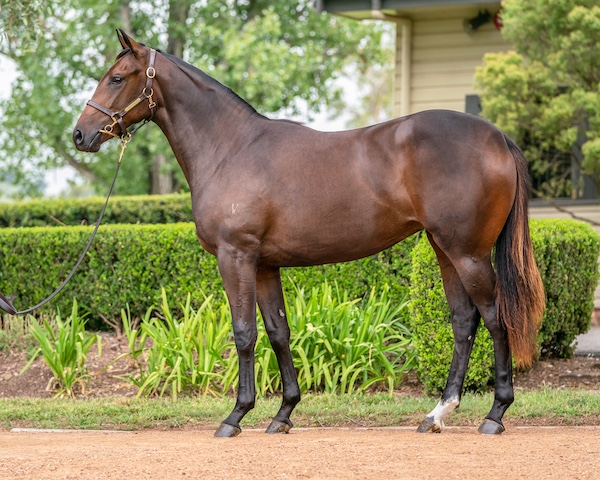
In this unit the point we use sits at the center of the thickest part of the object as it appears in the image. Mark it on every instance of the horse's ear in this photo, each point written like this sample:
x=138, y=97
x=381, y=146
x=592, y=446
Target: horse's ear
x=121, y=34
x=128, y=42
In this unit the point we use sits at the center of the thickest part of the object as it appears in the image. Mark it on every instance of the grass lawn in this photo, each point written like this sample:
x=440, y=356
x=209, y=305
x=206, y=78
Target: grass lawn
x=539, y=407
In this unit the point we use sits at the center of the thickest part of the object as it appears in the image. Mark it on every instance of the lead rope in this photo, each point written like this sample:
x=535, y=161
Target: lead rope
x=8, y=307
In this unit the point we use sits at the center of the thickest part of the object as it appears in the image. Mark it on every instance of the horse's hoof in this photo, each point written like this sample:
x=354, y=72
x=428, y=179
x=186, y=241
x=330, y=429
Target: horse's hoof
x=490, y=427
x=429, y=426
x=227, y=431
x=279, y=427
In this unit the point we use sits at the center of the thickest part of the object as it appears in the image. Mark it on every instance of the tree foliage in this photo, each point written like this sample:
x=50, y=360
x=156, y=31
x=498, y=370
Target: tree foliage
x=282, y=57
x=21, y=20
x=546, y=93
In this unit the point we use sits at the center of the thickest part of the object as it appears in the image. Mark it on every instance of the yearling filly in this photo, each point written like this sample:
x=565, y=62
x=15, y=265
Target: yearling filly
x=269, y=193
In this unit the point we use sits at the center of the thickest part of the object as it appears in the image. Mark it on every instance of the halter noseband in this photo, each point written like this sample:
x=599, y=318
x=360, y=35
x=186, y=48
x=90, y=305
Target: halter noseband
x=117, y=117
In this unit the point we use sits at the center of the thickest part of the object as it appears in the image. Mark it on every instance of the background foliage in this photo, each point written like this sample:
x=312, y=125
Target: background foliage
x=546, y=94
x=71, y=212
x=282, y=57
x=128, y=265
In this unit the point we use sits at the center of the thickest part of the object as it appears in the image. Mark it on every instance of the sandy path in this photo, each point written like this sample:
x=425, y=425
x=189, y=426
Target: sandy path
x=458, y=453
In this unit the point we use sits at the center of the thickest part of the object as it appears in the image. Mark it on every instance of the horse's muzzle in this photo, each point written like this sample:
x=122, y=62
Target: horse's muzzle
x=83, y=144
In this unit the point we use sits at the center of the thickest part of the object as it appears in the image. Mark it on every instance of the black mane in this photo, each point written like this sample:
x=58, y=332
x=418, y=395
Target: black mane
x=194, y=71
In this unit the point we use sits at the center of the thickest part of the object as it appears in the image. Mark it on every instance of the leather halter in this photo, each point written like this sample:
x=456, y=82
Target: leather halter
x=117, y=116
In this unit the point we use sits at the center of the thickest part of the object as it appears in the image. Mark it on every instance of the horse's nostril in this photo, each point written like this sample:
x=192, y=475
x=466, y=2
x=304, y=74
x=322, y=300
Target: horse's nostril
x=78, y=137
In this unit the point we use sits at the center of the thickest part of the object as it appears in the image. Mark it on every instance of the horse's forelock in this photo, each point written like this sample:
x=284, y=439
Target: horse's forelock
x=122, y=53
x=125, y=51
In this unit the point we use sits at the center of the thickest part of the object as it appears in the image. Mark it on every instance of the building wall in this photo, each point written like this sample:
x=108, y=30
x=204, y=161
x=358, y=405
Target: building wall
x=444, y=58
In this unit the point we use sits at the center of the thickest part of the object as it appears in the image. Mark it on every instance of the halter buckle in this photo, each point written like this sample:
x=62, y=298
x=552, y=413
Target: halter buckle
x=150, y=72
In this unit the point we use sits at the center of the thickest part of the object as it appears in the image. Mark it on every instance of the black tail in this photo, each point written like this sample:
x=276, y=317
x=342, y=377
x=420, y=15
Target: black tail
x=520, y=297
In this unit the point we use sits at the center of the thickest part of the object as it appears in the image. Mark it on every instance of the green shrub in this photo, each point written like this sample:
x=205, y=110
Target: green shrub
x=566, y=252
x=132, y=209
x=128, y=265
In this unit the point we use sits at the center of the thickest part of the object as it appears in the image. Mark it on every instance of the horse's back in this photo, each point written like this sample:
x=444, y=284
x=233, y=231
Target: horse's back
x=311, y=197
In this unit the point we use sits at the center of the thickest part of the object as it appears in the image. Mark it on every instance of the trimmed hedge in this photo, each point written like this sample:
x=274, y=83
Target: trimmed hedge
x=566, y=252
x=132, y=209
x=128, y=265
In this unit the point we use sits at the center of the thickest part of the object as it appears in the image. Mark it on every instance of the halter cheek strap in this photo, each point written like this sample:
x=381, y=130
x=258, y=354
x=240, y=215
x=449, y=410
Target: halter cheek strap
x=117, y=116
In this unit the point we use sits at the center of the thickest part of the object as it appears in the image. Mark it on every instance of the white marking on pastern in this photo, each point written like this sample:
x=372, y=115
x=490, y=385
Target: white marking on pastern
x=443, y=409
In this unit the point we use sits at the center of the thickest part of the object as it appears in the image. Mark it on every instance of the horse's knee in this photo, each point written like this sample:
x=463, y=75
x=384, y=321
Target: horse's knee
x=245, y=340
x=279, y=334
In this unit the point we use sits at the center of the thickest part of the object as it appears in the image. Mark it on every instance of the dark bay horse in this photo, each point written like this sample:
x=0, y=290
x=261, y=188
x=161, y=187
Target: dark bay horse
x=269, y=193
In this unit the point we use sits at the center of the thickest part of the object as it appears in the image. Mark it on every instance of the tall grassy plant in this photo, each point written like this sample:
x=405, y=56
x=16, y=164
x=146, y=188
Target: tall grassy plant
x=188, y=353
x=15, y=334
x=136, y=337
x=64, y=346
x=340, y=345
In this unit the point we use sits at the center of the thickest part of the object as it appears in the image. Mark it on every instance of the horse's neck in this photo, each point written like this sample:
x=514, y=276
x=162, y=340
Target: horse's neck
x=202, y=125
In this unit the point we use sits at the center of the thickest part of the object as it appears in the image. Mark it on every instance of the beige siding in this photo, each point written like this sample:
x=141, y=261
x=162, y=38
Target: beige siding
x=444, y=59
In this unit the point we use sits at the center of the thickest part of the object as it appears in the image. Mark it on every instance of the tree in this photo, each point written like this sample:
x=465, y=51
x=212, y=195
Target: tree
x=375, y=104
x=546, y=94
x=21, y=21
x=282, y=57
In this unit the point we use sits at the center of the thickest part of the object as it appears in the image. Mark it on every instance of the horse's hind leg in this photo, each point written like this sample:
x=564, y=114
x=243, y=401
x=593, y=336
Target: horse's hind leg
x=465, y=319
x=479, y=279
x=271, y=303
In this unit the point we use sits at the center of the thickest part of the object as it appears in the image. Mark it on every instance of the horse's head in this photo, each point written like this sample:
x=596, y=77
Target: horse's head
x=123, y=97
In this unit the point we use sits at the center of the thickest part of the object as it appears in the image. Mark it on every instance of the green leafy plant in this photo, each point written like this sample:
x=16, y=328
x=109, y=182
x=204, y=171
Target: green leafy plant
x=64, y=347
x=136, y=337
x=187, y=354
x=340, y=345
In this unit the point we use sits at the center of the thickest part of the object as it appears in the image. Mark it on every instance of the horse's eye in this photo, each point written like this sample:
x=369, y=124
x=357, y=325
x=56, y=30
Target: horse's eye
x=116, y=80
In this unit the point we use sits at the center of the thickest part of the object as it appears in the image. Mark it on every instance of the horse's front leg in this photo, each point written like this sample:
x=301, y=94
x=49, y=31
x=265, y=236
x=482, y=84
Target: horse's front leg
x=238, y=270
x=272, y=306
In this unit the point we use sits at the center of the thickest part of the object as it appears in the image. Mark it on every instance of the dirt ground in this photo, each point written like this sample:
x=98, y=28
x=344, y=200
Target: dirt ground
x=344, y=453
x=457, y=453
